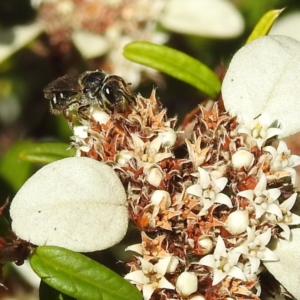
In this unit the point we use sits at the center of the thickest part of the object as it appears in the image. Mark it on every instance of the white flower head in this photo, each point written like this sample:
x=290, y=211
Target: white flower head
x=223, y=262
x=261, y=129
x=262, y=199
x=209, y=191
x=151, y=276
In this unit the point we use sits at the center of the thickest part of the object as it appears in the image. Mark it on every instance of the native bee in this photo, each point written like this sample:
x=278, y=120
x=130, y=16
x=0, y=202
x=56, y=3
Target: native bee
x=79, y=92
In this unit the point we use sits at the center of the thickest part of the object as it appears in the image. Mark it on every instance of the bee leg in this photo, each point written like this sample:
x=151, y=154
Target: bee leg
x=69, y=117
x=84, y=111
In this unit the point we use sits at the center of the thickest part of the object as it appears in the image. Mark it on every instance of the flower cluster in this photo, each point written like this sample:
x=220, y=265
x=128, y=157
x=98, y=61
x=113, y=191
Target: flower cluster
x=100, y=28
x=205, y=219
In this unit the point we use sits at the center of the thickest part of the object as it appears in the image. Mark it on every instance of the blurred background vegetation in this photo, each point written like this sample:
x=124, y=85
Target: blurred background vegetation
x=49, y=51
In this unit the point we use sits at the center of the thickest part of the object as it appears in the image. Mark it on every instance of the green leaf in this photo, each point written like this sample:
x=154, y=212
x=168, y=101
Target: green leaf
x=45, y=153
x=176, y=64
x=79, y=276
x=47, y=292
x=14, y=171
x=264, y=24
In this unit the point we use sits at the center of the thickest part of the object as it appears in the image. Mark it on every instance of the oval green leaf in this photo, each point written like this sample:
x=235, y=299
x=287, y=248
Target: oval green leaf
x=264, y=24
x=46, y=292
x=176, y=64
x=79, y=276
x=45, y=153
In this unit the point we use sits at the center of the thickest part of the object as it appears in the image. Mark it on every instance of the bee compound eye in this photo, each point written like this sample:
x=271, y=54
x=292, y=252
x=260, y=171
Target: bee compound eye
x=92, y=82
x=112, y=91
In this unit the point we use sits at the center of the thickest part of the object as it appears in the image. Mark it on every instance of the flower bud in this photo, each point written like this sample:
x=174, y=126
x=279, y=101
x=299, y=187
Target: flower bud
x=237, y=222
x=158, y=196
x=242, y=158
x=206, y=244
x=154, y=176
x=187, y=283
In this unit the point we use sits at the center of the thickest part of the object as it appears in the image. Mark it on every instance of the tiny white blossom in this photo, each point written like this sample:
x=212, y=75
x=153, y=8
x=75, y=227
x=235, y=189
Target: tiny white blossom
x=261, y=129
x=224, y=263
x=288, y=218
x=283, y=160
x=209, y=191
x=262, y=199
x=151, y=276
x=254, y=248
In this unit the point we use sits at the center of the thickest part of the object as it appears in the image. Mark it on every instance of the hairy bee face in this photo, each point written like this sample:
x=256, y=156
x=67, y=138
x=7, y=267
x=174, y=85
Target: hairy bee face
x=68, y=93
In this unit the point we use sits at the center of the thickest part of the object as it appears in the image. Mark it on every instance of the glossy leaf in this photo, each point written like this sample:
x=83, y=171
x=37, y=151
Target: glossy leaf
x=264, y=24
x=45, y=153
x=176, y=64
x=79, y=276
x=47, y=292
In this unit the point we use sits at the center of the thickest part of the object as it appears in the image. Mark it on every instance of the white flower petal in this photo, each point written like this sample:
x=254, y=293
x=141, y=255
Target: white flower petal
x=208, y=260
x=162, y=265
x=223, y=199
x=218, y=276
x=254, y=264
x=204, y=178
x=286, y=230
x=264, y=238
x=195, y=190
x=165, y=284
x=220, y=183
x=295, y=219
x=248, y=194
x=274, y=209
x=148, y=290
x=137, y=277
x=289, y=203
x=237, y=273
x=220, y=247
x=135, y=248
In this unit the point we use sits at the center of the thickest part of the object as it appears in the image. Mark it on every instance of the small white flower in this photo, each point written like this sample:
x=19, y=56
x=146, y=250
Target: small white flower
x=254, y=248
x=282, y=160
x=237, y=222
x=288, y=218
x=151, y=276
x=187, y=283
x=261, y=129
x=223, y=262
x=242, y=158
x=263, y=200
x=208, y=191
